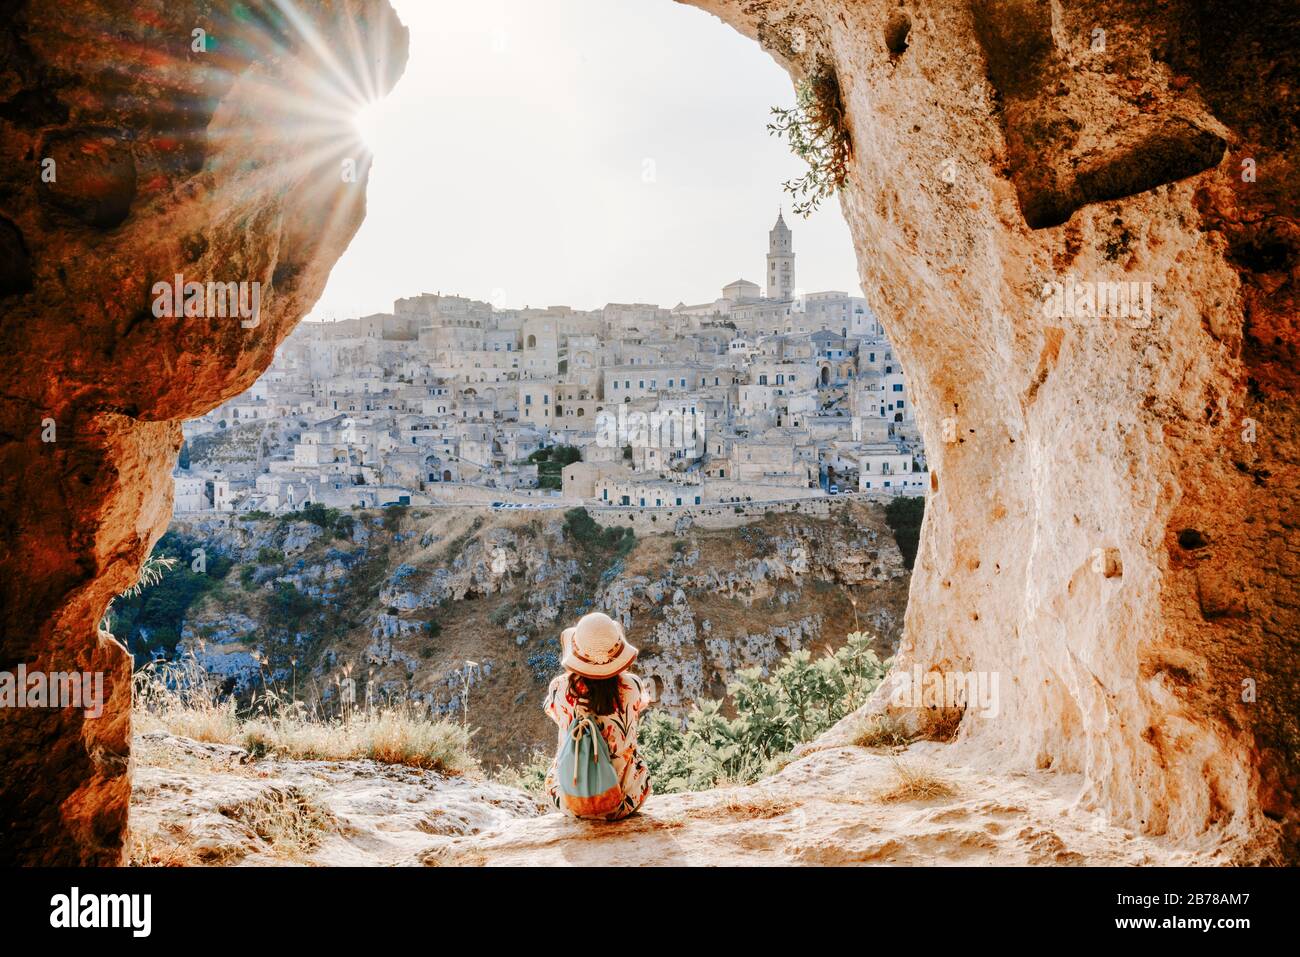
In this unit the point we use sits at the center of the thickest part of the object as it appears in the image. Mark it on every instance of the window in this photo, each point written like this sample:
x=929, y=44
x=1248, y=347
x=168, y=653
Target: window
x=898, y=387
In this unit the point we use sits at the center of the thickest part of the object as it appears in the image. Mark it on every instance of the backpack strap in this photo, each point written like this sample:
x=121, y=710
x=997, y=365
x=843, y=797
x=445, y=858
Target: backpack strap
x=583, y=724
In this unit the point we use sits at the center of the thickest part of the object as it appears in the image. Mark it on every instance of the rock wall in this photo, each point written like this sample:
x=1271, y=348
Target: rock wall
x=139, y=141
x=1112, y=528
x=705, y=516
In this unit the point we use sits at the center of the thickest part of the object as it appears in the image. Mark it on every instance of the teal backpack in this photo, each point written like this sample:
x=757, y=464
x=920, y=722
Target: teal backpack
x=585, y=774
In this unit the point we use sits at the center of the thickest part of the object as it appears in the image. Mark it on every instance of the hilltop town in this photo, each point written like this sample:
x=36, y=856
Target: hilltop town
x=761, y=396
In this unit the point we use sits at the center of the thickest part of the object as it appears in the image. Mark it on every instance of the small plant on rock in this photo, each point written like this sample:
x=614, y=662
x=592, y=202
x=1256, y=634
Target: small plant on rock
x=817, y=130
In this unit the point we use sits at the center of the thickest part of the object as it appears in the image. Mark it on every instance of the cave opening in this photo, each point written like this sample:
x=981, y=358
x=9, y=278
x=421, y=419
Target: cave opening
x=964, y=199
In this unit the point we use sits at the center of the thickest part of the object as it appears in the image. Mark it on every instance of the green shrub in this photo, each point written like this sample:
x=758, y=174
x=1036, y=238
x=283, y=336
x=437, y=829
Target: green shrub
x=161, y=601
x=802, y=698
x=584, y=530
x=904, y=515
x=551, y=462
x=287, y=608
x=393, y=515
x=529, y=776
x=316, y=513
x=566, y=455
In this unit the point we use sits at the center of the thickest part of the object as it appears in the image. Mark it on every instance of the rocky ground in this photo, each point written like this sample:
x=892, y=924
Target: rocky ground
x=406, y=599
x=836, y=805
x=195, y=803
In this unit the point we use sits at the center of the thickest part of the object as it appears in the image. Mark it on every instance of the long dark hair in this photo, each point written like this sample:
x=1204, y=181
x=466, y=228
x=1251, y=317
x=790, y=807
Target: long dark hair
x=597, y=695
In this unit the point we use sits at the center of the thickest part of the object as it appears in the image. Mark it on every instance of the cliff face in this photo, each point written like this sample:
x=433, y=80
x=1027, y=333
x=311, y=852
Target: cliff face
x=408, y=598
x=139, y=142
x=1112, y=528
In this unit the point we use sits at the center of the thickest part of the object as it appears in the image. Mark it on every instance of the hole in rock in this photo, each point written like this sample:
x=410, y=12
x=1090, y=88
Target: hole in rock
x=897, y=29
x=606, y=375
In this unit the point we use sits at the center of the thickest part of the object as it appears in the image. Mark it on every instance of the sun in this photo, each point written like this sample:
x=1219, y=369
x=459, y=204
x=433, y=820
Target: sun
x=370, y=122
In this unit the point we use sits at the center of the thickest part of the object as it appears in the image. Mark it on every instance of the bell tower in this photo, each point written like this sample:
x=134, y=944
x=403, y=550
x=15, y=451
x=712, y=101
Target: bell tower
x=780, y=261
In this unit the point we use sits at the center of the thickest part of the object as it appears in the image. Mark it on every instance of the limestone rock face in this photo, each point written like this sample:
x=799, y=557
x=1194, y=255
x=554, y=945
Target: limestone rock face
x=1112, y=525
x=407, y=599
x=141, y=141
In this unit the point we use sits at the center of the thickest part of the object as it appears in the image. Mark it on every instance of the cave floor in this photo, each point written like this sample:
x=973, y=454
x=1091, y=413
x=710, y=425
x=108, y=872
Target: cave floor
x=837, y=806
x=206, y=804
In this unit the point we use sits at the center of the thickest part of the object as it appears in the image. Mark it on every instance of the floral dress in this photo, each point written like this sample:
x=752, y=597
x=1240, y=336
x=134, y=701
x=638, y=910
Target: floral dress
x=619, y=731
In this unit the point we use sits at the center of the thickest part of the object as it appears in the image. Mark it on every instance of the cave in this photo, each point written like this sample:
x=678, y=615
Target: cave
x=998, y=149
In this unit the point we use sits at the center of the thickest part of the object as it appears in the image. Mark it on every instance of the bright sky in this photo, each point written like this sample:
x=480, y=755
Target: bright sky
x=577, y=152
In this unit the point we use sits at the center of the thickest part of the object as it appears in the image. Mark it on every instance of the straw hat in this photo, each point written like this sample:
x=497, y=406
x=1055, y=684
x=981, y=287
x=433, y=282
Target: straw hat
x=596, y=648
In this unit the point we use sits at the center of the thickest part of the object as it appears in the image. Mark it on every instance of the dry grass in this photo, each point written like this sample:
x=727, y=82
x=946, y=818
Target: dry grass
x=288, y=819
x=878, y=731
x=288, y=822
x=916, y=783
x=753, y=804
x=778, y=764
x=181, y=699
x=149, y=848
x=391, y=736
